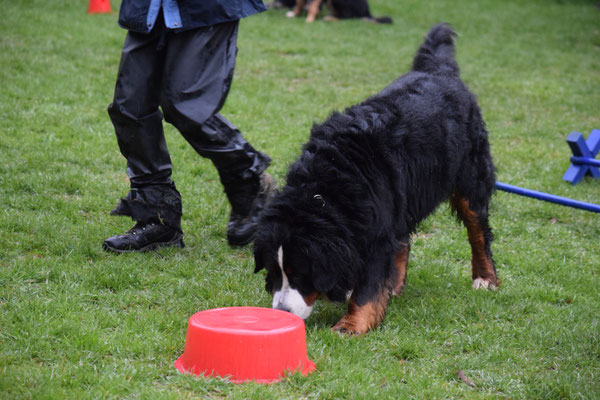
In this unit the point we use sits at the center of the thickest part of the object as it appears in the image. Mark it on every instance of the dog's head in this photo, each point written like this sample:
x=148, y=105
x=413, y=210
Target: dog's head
x=306, y=256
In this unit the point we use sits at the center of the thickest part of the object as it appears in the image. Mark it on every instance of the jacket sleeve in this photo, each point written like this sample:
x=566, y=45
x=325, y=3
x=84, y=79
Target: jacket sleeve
x=133, y=14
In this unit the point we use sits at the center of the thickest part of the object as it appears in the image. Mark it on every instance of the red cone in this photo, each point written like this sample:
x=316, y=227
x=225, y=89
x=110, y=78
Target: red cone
x=99, y=7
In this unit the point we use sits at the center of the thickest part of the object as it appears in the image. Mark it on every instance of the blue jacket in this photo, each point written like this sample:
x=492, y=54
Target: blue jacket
x=137, y=15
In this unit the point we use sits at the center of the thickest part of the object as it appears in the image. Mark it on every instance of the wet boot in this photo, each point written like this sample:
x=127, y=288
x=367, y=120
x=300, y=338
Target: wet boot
x=144, y=237
x=157, y=211
x=248, y=198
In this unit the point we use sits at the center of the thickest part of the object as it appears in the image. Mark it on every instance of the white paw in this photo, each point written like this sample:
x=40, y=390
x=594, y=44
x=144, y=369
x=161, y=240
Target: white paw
x=480, y=283
x=290, y=14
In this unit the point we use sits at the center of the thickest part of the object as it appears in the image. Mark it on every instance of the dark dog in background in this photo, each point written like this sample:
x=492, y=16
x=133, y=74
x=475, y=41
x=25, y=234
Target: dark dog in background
x=338, y=9
x=341, y=226
x=282, y=4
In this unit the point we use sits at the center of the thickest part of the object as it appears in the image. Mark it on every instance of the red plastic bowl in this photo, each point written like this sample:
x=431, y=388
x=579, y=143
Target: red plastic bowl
x=245, y=344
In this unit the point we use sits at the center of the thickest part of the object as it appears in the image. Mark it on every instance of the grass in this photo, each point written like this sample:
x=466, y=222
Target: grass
x=76, y=322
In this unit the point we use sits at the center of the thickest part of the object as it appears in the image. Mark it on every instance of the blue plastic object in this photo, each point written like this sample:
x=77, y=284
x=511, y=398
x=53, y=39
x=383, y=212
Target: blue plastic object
x=584, y=152
x=585, y=161
x=548, y=197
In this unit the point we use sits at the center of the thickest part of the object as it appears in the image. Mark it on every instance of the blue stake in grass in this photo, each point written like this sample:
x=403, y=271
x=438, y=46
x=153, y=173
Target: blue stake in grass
x=534, y=194
x=583, y=160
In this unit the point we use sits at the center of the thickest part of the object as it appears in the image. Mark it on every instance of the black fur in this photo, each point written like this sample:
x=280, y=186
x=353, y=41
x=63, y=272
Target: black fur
x=346, y=9
x=341, y=9
x=282, y=4
x=369, y=175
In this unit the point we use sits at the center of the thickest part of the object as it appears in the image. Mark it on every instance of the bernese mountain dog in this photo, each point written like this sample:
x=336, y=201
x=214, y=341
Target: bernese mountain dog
x=341, y=226
x=338, y=9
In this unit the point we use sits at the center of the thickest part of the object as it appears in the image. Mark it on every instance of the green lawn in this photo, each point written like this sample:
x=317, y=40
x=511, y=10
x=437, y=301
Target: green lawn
x=76, y=322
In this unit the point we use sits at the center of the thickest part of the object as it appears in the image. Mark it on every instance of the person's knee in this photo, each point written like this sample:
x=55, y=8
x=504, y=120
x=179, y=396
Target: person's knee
x=120, y=114
x=186, y=119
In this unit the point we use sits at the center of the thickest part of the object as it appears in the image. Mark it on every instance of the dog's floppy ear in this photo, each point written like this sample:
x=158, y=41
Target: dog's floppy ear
x=258, y=266
x=332, y=264
x=268, y=239
x=323, y=281
x=262, y=240
x=324, y=274
x=328, y=260
x=259, y=257
x=265, y=250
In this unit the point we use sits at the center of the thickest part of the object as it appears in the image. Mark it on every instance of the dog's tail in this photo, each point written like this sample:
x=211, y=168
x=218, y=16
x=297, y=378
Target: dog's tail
x=436, y=54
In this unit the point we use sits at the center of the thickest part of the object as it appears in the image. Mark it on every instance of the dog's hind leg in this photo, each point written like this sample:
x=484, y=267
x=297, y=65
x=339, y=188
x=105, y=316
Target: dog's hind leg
x=332, y=12
x=313, y=10
x=480, y=238
x=297, y=10
x=401, y=264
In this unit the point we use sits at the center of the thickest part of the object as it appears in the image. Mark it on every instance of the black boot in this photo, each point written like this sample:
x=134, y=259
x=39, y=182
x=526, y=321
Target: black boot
x=247, y=199
x=144, y=237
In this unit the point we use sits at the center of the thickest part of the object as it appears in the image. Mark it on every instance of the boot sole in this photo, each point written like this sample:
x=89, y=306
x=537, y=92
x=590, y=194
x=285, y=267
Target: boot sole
x=241, y=242
x=176, y=242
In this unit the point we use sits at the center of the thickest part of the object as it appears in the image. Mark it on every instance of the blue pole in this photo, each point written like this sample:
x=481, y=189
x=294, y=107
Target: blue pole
x=548, y=197
x=585, y=161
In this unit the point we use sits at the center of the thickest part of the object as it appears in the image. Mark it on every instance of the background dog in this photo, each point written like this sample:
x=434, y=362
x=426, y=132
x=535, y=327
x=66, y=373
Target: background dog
x=282, y=4
x=340, y=228
x=338, y=9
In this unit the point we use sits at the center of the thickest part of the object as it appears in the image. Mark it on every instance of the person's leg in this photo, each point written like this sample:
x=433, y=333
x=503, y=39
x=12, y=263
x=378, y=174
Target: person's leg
x=198, y=71
x=153, y=200
x=241, y=170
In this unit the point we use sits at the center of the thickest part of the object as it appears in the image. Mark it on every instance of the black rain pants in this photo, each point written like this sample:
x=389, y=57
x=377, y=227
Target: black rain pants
x=188, y=75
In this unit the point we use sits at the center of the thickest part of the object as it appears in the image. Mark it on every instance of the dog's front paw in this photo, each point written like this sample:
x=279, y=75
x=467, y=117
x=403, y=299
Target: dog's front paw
x=346, y=327
x=482, y=283
x=290, y=14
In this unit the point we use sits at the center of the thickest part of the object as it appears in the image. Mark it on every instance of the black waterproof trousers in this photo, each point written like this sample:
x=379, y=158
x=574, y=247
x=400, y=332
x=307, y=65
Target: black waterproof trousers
x=187, y=75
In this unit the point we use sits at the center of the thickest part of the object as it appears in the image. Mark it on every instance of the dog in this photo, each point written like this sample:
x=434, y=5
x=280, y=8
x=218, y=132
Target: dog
x=277, y=4
x=338, y=9
x=341, y=226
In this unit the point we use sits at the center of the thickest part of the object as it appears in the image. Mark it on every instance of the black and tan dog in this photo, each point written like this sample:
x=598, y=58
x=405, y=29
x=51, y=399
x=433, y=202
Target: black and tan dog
x=341, y=226
x=338, y=9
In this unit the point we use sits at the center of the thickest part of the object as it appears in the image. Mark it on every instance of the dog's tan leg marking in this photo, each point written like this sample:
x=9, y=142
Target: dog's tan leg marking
x=484, y=276
x=297, y=10
x=360, y=319
x=313, y=10
x=401, y=261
